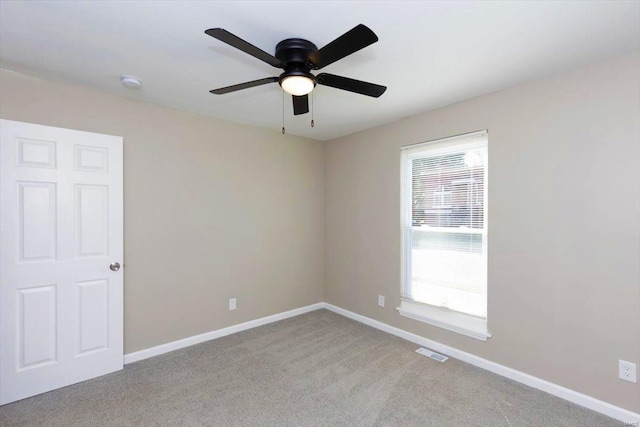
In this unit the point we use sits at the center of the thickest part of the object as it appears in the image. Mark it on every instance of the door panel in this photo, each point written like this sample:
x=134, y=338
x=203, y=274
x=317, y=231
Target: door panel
x=34, y=153
x=60, y=228
x=37, y=219
x=92, y=220
x=91, y=159
x=93, y=315
x=36, y=324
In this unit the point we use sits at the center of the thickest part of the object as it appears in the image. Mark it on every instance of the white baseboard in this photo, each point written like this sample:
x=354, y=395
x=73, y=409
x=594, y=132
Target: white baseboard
x=207, y=336
x=626, y=416
x=589, y=402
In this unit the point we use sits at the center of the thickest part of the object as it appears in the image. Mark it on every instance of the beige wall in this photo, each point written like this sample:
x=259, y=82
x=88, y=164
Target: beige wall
x=564, y=225
x=213, y=210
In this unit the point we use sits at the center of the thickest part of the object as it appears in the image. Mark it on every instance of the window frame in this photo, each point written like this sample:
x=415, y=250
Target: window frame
x=460, y=322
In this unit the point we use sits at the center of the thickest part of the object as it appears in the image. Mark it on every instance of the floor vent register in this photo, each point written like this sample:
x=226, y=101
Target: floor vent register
x=435, y=356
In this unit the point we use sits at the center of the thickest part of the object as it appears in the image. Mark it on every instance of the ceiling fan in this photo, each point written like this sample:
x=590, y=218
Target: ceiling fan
x=298, y=57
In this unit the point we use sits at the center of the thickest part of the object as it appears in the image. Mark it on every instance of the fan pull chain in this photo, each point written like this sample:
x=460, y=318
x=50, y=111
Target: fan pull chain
x=312, y=122
x=283, y=112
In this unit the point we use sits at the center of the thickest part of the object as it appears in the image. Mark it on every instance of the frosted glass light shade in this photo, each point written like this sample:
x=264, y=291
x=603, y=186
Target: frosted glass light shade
x=297, y=85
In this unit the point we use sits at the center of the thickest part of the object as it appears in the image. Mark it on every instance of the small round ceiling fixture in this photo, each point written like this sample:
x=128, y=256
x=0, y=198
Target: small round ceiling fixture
x=131, y=82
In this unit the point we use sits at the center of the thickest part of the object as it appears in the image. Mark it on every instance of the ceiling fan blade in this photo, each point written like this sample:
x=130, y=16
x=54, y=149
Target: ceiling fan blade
x=235, y=41
x=245, y=85
x=352, y=41
x=300, y=104
x=345, y=83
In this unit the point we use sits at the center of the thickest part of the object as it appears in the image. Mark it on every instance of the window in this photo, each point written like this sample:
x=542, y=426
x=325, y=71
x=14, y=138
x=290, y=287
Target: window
x=442, y=197
x=444, y=214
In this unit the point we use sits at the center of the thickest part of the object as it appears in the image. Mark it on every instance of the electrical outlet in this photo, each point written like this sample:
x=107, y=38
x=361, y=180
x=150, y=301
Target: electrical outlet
x=232, y=304
x=381, y=300
x=627, y=371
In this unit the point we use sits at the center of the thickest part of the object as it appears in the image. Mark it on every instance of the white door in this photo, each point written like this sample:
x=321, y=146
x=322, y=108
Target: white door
x=60, y=230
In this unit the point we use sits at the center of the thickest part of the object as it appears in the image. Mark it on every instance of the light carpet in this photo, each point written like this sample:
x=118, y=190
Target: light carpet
x=317, y=369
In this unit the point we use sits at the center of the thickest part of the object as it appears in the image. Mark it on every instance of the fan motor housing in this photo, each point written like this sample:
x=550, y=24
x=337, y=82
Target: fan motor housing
x=296, y=51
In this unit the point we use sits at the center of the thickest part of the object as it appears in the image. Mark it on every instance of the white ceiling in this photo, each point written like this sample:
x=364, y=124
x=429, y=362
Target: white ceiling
x=430, y=53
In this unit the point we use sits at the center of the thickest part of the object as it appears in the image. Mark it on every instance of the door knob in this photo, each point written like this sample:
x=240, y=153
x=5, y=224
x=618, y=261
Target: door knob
x=115, y=266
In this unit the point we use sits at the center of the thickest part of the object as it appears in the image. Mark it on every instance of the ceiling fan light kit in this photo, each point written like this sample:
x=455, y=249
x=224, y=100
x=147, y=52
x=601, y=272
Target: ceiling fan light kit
x=298, y=57
x=297, y=85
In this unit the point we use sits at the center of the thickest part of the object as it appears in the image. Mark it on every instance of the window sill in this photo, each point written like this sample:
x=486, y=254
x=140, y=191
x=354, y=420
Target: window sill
x=451, y=320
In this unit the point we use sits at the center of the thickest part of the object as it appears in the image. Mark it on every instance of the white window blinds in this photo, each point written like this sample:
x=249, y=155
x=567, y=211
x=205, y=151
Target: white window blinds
x=444, y=202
